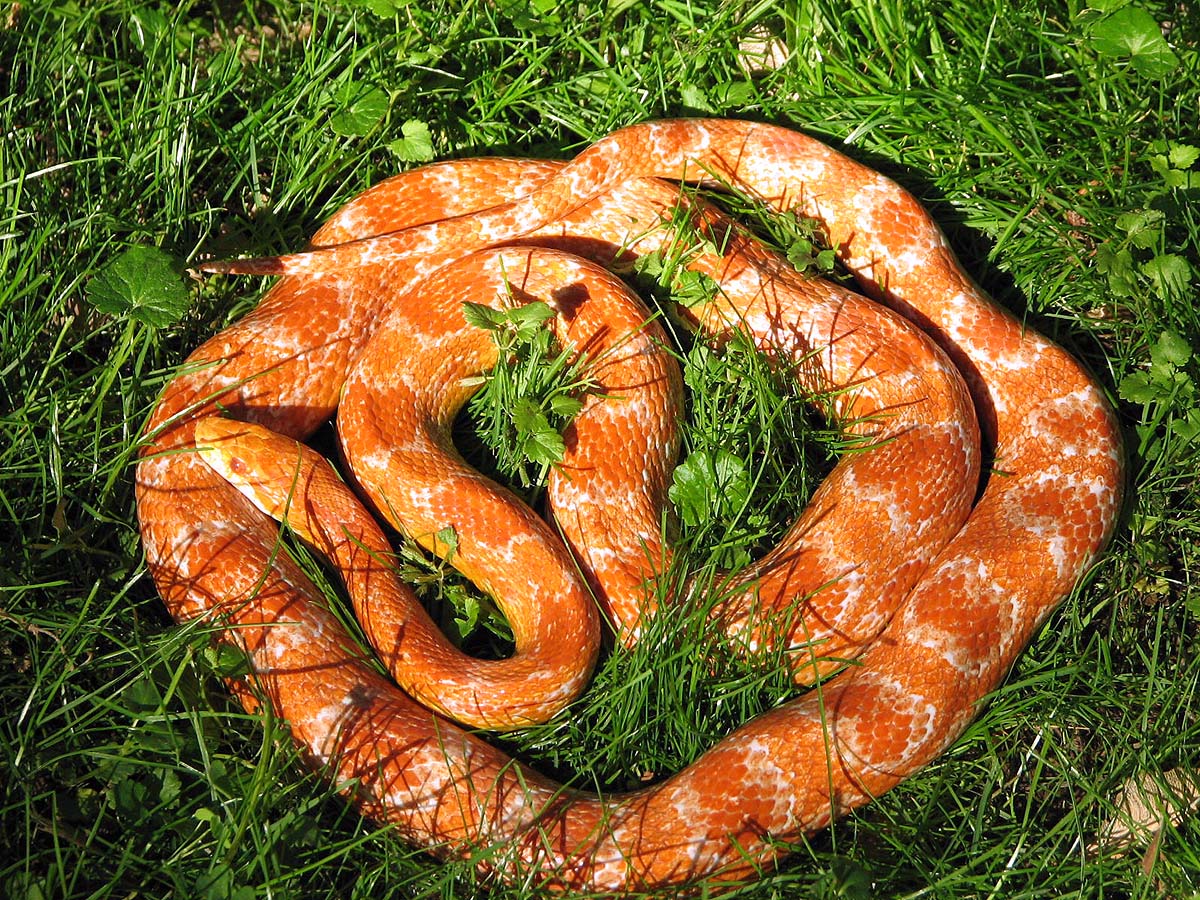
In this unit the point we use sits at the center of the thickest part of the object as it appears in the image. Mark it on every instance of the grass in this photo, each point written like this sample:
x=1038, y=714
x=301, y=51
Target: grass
x=1050, y=140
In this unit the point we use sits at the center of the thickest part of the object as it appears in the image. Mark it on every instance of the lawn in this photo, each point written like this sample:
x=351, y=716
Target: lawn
x=1058, y=145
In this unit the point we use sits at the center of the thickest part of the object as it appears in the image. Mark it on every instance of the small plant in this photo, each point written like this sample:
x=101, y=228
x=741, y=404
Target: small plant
x=1167, y=395
x=530, y=396
x=471, y=619
x=1129, y=36
x=753, y=450
x=1140, y=258
x=143, y=283
x=1168, y=441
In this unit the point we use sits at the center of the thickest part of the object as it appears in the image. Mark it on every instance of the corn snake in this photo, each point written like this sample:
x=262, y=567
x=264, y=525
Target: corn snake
x=971, y=579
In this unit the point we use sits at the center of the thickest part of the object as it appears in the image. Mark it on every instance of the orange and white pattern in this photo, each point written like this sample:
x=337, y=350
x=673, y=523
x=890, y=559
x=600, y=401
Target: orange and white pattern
x=901, y=560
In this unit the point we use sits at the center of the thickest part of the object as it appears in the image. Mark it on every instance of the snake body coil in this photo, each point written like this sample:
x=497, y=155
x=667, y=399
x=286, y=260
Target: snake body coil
x=899, y=561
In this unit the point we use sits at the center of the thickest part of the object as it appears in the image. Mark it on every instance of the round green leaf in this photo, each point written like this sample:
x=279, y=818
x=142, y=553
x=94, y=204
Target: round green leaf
x=361, y=108
x=415, y=143
x=1133, y=34
x=144, y=283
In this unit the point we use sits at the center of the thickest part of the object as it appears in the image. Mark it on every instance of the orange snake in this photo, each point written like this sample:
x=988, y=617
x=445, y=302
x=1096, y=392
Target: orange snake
x=899, y=561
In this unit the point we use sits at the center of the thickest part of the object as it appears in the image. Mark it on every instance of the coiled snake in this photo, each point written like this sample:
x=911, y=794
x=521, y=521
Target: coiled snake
x=900, y=560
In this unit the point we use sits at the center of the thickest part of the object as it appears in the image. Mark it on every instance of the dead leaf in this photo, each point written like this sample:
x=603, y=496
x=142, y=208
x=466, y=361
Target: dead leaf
x=760, y=51
x=1143, y=807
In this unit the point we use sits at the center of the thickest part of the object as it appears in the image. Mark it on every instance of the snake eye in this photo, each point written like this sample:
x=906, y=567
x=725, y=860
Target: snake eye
x=238, y=466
